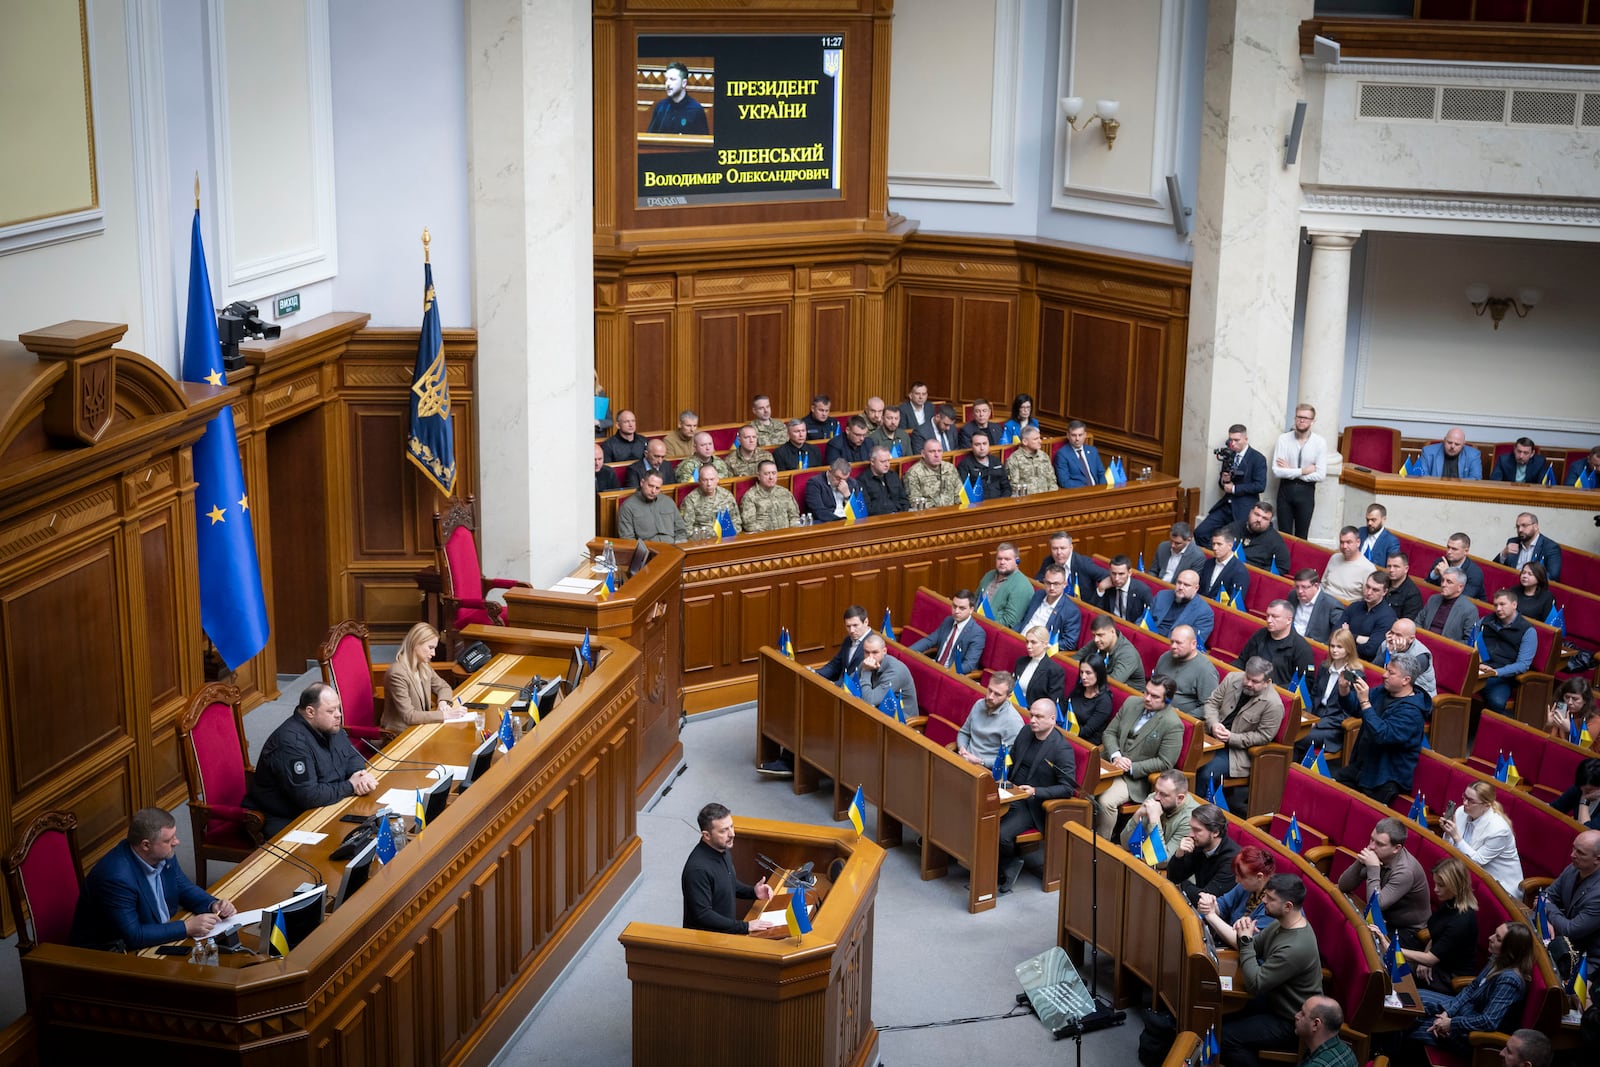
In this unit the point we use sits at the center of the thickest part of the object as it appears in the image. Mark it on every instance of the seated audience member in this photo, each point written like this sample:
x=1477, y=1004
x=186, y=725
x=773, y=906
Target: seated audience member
x=1244, y=711
x=626, y=445
x=705, y=508
x=1182, y=606
x=983, y=465
x=1329, y=685
x=1280, y=968
x=1166, y=810
x=1038, y=675
x=1455, y=555
x=1386, y=867
x=957, y=642
x=820, y=423
x=1120, y=593
x=680, y=439
x=993, y=721
x=1369, y=618
x=1582, y=800
x=1259, y=541
x=1530, y=546
x=1252, y=868
x=1317, y=1025
x=1534, y=599
x=1490, y=1003
x=1006, y=588
x=1043, y=767
x=1178, y=553
x=796, y=453
x=128, y=899
x=1347, y=568
x=649, y=516
x=1377, y=543
x=1452, y=928
x=1082, y=572
x=770, y=432
x=768, y=505
x=1530, y=1048
x=655, y=460
x=873, y=413
x=1451, y=458
x=941, y=429
x=1021, y=418
x=1511, y=643
x=1144, y=737
x=747, y=455
x=1117, y=659
x=981, y=410
x=1522, y=464
x=1574, y=703
x=1299, y=462
x=704, y=455
x=1243, y=479
x=1090, y=701
x=916, y=411
x=1224, y=572
x=1449, y=612
x=1572, y=902
x=848, y=658
x=1400, y=592
x=308, y=762
x=1279, y=645
x=885, y=493
x=1586, y=475
x=1029, y=467
x=1401, y=640
x=931, y=482
x=851, y=444
x=828, y=495
x=1202, y=862
x=412, y=692
x=1054, y=611
x=1481, y=832
x=1078, y=462
x=889, y=434
x=882, y=674
x=1194, y=677
x=1316, y=614
x=1393, y=722
x=605, y=479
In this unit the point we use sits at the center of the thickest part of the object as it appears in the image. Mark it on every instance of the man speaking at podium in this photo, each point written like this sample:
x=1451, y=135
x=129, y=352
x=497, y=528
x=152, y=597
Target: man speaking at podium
x=709, y=885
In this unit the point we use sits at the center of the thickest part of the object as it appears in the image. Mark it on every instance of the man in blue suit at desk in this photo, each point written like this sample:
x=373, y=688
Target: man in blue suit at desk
x=958, y=641
x=1078, y=463
x=1052, y=609
x=1530, y=546
x=1181, y=605
x=1225, y=572
x=1451, y=458
x=129, y=898
x=1377, y=543
x=1522, y=464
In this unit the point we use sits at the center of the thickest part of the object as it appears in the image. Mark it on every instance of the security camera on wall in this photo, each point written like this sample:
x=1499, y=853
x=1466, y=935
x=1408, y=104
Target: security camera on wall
x=1291, y=143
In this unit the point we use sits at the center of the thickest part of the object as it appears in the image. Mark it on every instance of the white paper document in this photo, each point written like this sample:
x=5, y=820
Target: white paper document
x=451, y=769
x=575, y=585
x=399, y=799
x=303, y=837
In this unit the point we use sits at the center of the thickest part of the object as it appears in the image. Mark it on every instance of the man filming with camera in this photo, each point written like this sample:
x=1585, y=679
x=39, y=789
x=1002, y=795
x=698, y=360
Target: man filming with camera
x=1242, y=480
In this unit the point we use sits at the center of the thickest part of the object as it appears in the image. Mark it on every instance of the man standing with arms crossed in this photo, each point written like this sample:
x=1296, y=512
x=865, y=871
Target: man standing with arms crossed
x=1300, y=461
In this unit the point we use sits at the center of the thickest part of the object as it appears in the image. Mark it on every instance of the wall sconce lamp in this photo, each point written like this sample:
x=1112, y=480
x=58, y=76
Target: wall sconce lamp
x=1478, y=296
x=1105, y=114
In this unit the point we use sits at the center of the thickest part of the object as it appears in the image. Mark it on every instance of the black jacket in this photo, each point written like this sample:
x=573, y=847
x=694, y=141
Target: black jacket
x=709, y=890
x=1210, y=874
x=300, y=769
x=1050, y=766
x=885, y=495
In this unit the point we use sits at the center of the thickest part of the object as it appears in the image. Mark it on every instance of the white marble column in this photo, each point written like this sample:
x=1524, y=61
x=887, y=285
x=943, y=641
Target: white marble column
x=530, y=168
x=1322, y=361
x=1247, y=223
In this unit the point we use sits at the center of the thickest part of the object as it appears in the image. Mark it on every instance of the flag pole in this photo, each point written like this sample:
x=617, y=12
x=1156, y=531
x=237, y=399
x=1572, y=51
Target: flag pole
x=197, y=190
x=425, y=236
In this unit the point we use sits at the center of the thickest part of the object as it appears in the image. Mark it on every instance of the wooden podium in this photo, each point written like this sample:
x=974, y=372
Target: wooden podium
x=647, y=613
x=701, y=997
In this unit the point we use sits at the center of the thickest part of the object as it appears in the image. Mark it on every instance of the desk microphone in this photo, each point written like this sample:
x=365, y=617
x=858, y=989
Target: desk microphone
x=803, y=875
x=766, y=862
x=376, y=751
x=285, y=854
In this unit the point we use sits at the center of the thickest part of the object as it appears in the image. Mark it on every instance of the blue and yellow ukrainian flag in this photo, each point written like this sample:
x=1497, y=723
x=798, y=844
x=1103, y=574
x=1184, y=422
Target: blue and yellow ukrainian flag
x=852, y=683
x=609, y=586
x=985, y=609
x=1068, y=719
x=785, y=643
x=422, y=812
x=1580, y=982
x=858, y=812
x=888, y=626
x=797, y=916
x=1217, y=795
x=856, y=510
x=964, y=494
x=1314, y=761
x=278, y=940
x=1291, y=836
x=1374, y=915
x=431, y=443
x=1419, y=810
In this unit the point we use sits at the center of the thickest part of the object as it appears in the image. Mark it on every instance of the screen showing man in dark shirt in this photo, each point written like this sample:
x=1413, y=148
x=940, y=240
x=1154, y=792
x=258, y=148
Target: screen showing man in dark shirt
x=678, y=112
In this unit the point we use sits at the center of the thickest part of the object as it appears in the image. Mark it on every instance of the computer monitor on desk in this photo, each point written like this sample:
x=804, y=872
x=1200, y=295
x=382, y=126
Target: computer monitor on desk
x=301, y=915
x=356, y=872
x=435, y=798
x=480, y=760
x=575, y=670
x=641, y=556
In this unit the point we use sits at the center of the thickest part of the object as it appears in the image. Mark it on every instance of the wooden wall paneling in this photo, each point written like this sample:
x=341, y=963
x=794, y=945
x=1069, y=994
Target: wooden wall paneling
x=619, y=820
x=815, y=623
x=525, y=932
x=830, y=347
x=1098, y=367
x=559, y=881
x=403, y=1014
x=591, y=827
x=987, y=350
x=488, y=935
x=257, y=680
x=451, y=982
x=297, y=515
x=868, y=588
x=1050, y=395
x=650, y=350
x=756, y=620
x=701, y=644
x=766, y=349
x=1147, y=377
x=353, y=1042
x=159, y=567
x=1025, y=359
x=376, y=436
x=930, y=343
x=718, y=336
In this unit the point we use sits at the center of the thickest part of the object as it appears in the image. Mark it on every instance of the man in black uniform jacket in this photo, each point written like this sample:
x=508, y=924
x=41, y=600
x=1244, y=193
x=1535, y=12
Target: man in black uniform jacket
x=1043, y=767
x=308, y=762
x=882, y=486
x=709, y=885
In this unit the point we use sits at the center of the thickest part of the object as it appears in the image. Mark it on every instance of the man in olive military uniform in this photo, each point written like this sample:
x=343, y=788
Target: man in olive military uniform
x=888, y=434
x=770, y=432
x=704, y=455
x=704, y=506
x=768, y=505
x=933, y=479
x=746, y=456
x=1029, y=467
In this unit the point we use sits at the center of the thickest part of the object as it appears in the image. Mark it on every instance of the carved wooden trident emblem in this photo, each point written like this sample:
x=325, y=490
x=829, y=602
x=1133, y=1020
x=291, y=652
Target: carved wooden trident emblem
x=83, y=366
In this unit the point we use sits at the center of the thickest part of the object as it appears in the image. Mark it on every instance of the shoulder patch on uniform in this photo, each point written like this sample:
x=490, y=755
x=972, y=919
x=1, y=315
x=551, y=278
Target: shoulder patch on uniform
x=299, y=768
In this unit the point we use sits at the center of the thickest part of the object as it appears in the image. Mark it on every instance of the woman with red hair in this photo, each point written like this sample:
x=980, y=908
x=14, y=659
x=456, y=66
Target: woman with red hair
x=1251, y=867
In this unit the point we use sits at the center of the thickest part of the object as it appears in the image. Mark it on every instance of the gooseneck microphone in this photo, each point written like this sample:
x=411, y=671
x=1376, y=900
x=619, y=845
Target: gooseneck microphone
x=296, y=861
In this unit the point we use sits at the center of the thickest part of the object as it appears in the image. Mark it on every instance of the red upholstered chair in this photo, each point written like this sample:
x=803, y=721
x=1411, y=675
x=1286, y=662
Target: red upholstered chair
x=44, y=877
x=346, y=661
x=216, y=764
x=1375, y=447
x=461, y=574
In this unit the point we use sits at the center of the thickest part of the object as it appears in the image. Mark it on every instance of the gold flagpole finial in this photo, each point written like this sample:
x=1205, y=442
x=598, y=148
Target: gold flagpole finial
x=425, y=239
x=197, y=190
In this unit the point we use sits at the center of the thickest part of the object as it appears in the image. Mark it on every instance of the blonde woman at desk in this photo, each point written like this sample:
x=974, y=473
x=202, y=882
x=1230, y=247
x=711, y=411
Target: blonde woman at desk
x=413, y=693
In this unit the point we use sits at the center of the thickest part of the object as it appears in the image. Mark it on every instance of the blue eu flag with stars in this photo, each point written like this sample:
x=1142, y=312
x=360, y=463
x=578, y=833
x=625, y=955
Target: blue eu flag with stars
x=431, y=444
x=233, y=610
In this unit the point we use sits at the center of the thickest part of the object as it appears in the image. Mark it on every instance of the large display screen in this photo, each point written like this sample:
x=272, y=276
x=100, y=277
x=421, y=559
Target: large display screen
x=724, y=119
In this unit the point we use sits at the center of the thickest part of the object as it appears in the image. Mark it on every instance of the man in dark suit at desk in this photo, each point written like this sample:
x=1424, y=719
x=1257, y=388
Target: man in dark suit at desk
x=828, y=495
x=1225, y=572
x=1078, y=463
x=940, y=428
x=1178, y=553
x=710, y=886
x=654, y=462
x=957, y=642
x=847, y=660
x=1043, y=767
x=1052, y=609
x=1449, y=613
x=1120, y=593
x=1455, y=555
x=1522, y=464
x=308, y=762
x=1083, y=573
x=129, y=898
x=1530, y=546
x=1182, y=606
x=1316, y=614
x=795, y=453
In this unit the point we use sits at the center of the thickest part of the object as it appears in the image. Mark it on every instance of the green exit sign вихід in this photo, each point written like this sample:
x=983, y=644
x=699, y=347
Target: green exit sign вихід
x=288, y=305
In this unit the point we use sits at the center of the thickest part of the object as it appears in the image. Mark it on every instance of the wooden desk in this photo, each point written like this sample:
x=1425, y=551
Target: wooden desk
x=440, y=957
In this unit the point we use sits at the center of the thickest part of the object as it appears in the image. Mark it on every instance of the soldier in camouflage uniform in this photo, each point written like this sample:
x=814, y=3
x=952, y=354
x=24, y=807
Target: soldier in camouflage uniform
x=770, y=432
x=1030, y=468
x=704, y=453
x=769, y=506
x=704, y=506
x=933, y=479
x=746, y=457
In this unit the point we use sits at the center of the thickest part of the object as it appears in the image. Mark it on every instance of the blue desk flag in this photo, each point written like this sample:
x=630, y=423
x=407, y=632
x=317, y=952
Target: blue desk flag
x=1002, y=762
x=1557, y=618
x=431, y=443
x=785, y=642
x=1419, y=810
x=1217, y=795
x=1291, y=836
x=985, y=609
x=1375, y=915
x=798, y=916
x=278, y=940
x=1580, y=982
x=586, y=650
x=1541, y=919
x=508, y=736
x=888, y=626
x=852, y=683
x=858, y=812
x=1314, y=761
x=892, y=706
x=233, y=611
x=858, y=506
x=1500, y=767
x=1302, y=689
x=975, y=494
x=1395, y=960
x=894, y=449
x=725, y=523
x=1481, y=645
x=1141, y=559
x=385, y=849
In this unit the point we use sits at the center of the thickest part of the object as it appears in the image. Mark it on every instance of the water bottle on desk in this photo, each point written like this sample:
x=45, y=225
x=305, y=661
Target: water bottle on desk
x=608, y=559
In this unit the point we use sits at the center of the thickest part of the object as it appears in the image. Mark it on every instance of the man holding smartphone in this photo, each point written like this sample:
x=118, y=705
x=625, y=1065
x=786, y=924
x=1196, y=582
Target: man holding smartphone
x=1393, y=722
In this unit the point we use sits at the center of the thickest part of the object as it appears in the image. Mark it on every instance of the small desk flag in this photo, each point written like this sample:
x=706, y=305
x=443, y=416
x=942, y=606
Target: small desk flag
x=798, y=917
x=1541, y=919
x=858, y=812
x=888, y=626
x=1002, y=763
x=1291, y=836
x=1217, y=795
x=508, y=736
x=725, y=523
x=1580, y=982
x=586, y=650
x=852, y=683
x=1374, y=915
x=1557, y=618
x=892, y=706
x=857, y=509
x=1314, y=761
x=422, y=813
x=785, y=643
x=964, y=494
x=1419, y=810
x=278, y=940
x=385, y=849
x=985, y=609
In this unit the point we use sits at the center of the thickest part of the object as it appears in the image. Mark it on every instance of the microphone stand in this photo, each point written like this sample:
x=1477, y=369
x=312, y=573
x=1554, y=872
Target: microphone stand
x=1100, y=1018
